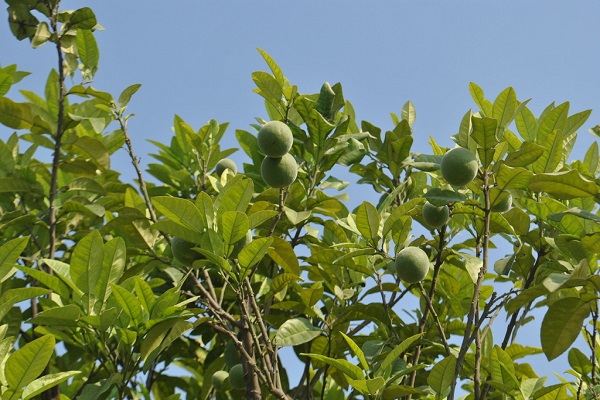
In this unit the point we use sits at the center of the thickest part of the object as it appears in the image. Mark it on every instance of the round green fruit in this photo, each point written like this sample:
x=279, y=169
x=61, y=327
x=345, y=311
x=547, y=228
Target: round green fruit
x=279, y=172
x=503, y=205
x=226, y=163
x=218, y=379
x=412, y=264
x=435, y=216
x=183, y=251
x=275, y=139
x=459, y=166
x=236, y=376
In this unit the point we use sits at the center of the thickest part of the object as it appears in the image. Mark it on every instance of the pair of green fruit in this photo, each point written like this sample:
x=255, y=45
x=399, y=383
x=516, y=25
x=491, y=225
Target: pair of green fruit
x=278, y=168
x=459, y=168
x=235, y=376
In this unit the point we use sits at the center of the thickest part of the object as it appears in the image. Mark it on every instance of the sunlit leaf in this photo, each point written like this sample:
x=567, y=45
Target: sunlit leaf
x=46, y=382
x=441, y=376
x=86, y=262
x=27, y=363
x=525, y=155
x=563, y=185
x=9, y=254
x=296, y=331
x=367, y=221
x=283, y=254
x=479, y=99
x=562, y=324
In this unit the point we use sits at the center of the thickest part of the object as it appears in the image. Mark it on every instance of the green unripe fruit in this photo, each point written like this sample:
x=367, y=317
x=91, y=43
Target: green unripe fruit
x=219, y=378
x=183, y=252
x=412, y=264
x=279, y=172
x=503, y=205
x=236, y=377
x=459, y=166
x=435, y=216
x=275, y=139
x=224, y=164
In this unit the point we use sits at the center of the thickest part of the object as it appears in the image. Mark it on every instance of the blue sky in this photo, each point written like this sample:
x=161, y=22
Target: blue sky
x=194, y=59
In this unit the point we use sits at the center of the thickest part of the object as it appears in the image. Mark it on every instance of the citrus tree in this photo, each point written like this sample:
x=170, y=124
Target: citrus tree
x=191, y=280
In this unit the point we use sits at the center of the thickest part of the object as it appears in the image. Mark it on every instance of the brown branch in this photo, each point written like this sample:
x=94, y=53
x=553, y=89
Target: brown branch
x=473, y=315
x=436, y=272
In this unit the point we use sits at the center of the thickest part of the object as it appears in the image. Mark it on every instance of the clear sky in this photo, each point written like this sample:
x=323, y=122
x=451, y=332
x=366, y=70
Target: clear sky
x=194, y=59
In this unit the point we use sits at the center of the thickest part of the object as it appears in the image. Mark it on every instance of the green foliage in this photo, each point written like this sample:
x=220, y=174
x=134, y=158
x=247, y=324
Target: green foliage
x=97, y=301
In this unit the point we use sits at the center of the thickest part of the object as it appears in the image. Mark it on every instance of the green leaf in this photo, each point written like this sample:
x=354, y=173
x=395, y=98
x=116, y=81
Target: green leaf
x=552, y=158
x=27, y=363
x=128, y=302
x=502, y=368
x=562, y=324
x=554, y=392
x=564, y=185
x=344, y=366
x=234, y=226
x=10, y=185
x=17, y=295
x=42, y=34
x=367, y=221
x=356, y=351
x=46, y=382
x=154, y=339
x=484, y=132
x=181, y=211
x=282, y=252
x=95, y=149
x=398, y=351
x=555, y=120
x=5, y=83
x=82, y=18
x=253, y=254
x=296, y=331
x=86, y=262
x=126, y=94
x=274, y=67
x=479, y=99
x=409, y=114
x=575, y=122
x=9, y=255
x=441, y=376
x=236, y=195
x=281, y=281
x=58, y=316
x=441, y=197
x=62, y=269
x=527, y=154
x=579, y=362
x=113, y=266
x=367, y=386
x=512, y=178
x=15, y=115
x=504, y=107
x=526, y=124
x=87, y=49
x=50, y=281
x=394, y=392
x=325, y=101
